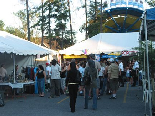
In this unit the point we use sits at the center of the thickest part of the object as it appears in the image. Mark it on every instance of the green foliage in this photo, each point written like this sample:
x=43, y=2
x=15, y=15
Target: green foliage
x=2, y=25
x=16, y=31
x=94, y=19
x=56, y=13
x=142, y=55
x=151, y=3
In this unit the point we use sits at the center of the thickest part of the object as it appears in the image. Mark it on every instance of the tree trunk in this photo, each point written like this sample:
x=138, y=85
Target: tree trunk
x=70, y=19
x=101, y=19
x=28, y=28
x=42, y=29
x=49, y=30
x=86, y=18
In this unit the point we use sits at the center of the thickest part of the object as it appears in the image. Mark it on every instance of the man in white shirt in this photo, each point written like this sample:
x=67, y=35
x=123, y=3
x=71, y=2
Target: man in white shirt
x=55, y=79
x=48, y=75
x=135, y=72
x=81, y=70
x=102, y=79
x=121, y=73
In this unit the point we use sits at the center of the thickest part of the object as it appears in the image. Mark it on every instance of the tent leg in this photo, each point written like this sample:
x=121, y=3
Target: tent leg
x=147, y=64
x=14, y=80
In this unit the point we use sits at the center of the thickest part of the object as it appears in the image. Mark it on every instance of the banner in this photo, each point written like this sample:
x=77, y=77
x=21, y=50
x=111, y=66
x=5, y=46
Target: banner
x=135, y=3
x=141, y=4
x=128, y=53
x=74, y=56
x=112, y=3
x=130, y=2
x=97, y=57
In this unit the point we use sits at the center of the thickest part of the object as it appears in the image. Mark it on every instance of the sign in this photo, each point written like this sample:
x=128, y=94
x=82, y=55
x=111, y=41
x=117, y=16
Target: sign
x=74, y=56
x=128, y=53
x=124, y=3
x=109, y=56
x=115, y=53
x=97, y=57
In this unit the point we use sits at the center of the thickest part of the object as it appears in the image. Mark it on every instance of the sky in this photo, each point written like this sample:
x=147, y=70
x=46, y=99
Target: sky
x=6, y=14
x=8, y=7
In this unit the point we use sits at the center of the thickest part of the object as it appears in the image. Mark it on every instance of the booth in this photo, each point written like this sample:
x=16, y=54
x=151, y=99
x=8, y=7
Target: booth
x=17, y=51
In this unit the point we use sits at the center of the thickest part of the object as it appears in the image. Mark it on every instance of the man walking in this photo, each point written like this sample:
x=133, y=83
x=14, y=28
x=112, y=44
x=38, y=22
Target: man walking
x=113, y=71
x=121, y=73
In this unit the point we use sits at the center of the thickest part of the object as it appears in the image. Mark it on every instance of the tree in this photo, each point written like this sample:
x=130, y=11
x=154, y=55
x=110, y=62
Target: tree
x=151, y=3
x=22, y=15
x=94, y=18
x=2, y=25
x=59, y=14
x=16, y=31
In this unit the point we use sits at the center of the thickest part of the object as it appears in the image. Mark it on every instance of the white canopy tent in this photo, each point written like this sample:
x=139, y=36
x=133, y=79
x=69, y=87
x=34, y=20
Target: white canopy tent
x=13, y=44
x=23, y=49
x=104, y=42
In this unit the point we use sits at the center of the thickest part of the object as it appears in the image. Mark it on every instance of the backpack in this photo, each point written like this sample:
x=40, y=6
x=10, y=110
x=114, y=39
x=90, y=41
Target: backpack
x=1, y=101
x=92, y=73
x=87, y=79
x=78, y=77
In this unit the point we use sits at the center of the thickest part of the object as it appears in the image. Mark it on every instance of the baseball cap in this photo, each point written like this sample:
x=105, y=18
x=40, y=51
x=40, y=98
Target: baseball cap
x=111, y=60
x=47, y=64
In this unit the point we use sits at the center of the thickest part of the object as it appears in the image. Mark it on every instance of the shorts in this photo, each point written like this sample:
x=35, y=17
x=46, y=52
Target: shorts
x=114, y=84
x=82, y=82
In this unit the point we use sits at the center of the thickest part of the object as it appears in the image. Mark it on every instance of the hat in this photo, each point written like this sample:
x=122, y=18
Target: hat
x=92, y=56
x=111, y=60
x=47, y=64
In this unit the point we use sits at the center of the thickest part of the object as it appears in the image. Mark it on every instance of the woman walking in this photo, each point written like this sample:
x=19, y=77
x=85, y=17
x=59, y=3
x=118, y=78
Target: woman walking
x=41, y=78
x=72, y=81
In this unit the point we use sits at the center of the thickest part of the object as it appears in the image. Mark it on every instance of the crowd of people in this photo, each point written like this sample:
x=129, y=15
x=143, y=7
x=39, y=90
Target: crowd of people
x=69, y=78
x=106, y=77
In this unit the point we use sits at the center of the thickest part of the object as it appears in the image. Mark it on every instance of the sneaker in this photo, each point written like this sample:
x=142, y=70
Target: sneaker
x=98, y=98
x=112, y=97
x=89, y=98
x=51, y=97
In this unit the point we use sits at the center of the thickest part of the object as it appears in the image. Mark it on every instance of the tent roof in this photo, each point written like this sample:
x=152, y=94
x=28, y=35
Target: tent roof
x=150, y=17
x=13, y=44
x=150, y=14
x=104, y=42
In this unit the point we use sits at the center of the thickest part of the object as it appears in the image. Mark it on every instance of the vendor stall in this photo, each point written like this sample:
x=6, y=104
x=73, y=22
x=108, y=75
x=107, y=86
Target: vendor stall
x=19, y=52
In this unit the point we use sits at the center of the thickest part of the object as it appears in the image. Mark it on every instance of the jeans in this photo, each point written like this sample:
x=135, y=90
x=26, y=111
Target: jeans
x=41, y=85
x=94, y=97
x=104, y=85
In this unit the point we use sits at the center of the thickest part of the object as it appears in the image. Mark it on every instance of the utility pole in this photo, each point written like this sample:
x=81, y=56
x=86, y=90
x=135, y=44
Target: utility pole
x=42, y=29
x=86, y=19
x=28, y=27
x=70, y=20
x=101, y=19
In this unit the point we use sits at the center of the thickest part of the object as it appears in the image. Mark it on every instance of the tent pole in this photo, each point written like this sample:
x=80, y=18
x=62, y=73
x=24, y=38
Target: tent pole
x=147, y=64
x=14, y=80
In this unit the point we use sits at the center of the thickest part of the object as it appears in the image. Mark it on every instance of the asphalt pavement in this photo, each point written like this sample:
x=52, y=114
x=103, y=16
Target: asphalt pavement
x=129, y=102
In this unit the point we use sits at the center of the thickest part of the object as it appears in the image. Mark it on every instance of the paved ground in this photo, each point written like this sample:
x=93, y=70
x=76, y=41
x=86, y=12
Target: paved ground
x=129, y=102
